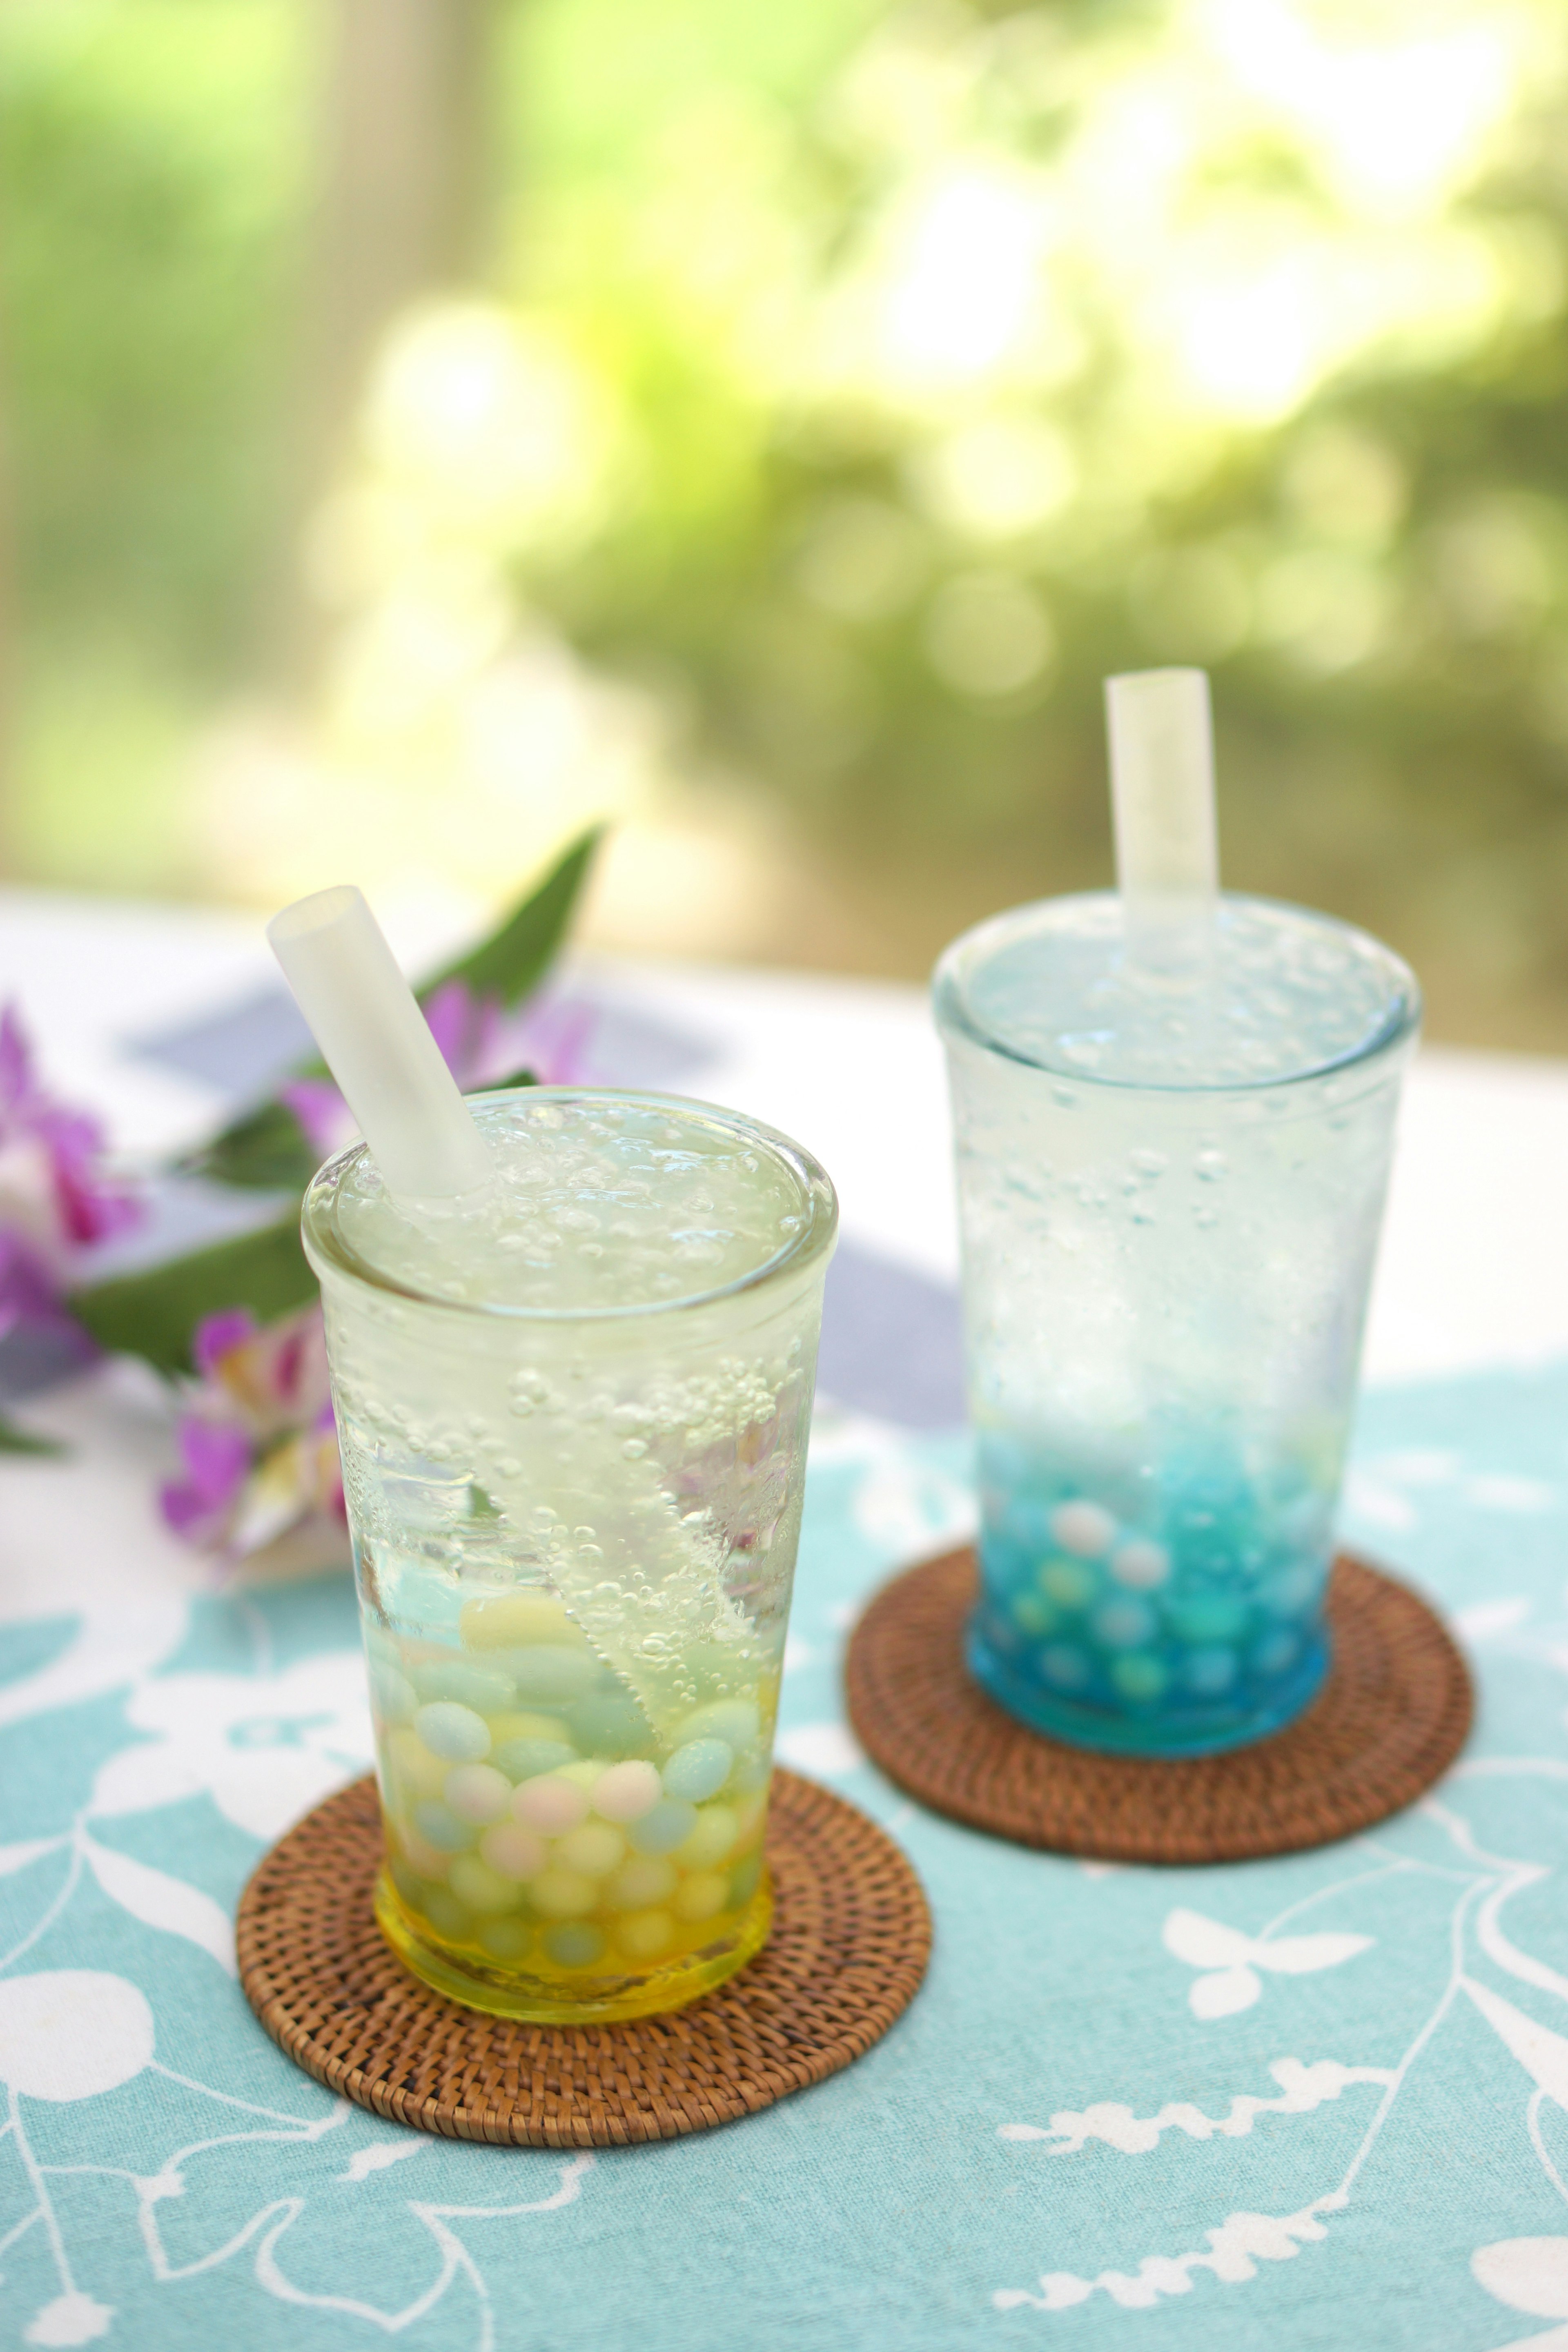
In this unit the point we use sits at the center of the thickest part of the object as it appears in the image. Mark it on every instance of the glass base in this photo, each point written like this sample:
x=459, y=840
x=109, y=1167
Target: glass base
x=1196, y=1730
x=537, y=1999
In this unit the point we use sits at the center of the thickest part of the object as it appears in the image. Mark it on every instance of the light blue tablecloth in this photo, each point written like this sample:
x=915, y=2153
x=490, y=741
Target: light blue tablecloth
x=1313, y=2103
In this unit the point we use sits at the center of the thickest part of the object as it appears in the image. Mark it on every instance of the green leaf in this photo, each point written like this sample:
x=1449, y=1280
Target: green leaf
x=515, y=959
x=155, y=1314
x=24, y=1441
x=268, y=1150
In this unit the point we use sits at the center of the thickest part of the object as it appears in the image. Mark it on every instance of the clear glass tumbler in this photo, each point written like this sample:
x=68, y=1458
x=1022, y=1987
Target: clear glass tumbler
x=573, y=1455
x=1171, y=1187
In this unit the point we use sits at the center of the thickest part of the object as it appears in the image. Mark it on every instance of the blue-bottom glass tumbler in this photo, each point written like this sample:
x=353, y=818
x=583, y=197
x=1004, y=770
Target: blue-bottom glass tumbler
x=1171, y=1187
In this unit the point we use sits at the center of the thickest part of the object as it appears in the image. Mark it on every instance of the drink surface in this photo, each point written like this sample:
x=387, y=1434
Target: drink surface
x=1170, y=1188
x=574, y=1435
x=1275, y=993
x=596, y=1204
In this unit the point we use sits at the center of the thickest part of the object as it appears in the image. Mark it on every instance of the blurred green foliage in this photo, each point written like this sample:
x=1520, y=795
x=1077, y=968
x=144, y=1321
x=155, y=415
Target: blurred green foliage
x=883, y=378
x=1043, y=344
x=150, y=158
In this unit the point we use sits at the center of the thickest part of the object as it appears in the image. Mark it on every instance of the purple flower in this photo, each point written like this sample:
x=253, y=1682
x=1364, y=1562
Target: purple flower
x=56, y=1198
x=218, y=1337
x=216, y=1464
x=482, y=1044
x=325, y=1120
x=258, y=1446
x=549, y=1036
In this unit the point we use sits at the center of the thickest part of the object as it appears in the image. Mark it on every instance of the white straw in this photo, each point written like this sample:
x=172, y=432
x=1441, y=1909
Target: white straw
x=378, y=1046
x=1163, y=797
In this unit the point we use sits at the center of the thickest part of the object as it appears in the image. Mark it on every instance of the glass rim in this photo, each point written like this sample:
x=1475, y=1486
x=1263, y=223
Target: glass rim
x=322, y=1240
x=954, y=1015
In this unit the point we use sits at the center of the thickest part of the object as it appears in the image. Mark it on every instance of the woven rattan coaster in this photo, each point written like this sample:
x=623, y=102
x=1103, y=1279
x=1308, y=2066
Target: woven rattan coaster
x=1391, y=1716
x=850, y=1938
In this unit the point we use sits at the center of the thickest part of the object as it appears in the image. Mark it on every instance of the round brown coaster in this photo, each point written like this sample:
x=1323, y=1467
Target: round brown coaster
x=1392, y=1716
x=850, y=1939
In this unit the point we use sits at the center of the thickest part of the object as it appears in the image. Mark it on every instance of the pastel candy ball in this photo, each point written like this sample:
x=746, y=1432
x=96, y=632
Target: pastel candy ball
x=478, y=1793
x=1003, y=1634
x=517, y=1852
x=426, y=1862
x=552, y=1675
x=440, y=1827
x=750, y=1814
x=1209, y=1672
x=699, y=1770
x=594, y=1850
x=1083, y=1528
x=743, y=1880
x=508, y=1621
x=1033, y=1612
x=550, y=1805
x=1069, y=1583
x=1067, y=1669
x=701, y=1896
x=583, y=1772
x=510, y=1723
x=1140, y=1566
x=1293, y=1590
x=738, y=1721
x=453, y=1731
x=669, y=1824
x=1206, y=1617
x=394, y=1695
x=522, y=1759
x=453, y=1678
x=473, y=1881
x=405, y=1879
x=425, y=1859
x=646, y=1879
x=446, y=1914
x=645, y=1933
x=752, y=1772
x=564, y=1894
x=1138, y=1676
x=627, y=1792
x=610, y=1723
x=1273, y=1655
x=575, y=1947
x=410, y=1763
x=1122, y=1624
x=710, y=1840
x=504, y=1938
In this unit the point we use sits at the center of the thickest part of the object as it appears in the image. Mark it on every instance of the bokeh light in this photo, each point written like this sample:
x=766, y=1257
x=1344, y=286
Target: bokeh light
x=830, y=403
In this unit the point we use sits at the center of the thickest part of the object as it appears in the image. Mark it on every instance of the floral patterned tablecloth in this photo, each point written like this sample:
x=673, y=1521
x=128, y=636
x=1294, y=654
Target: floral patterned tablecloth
x=1320, y=2101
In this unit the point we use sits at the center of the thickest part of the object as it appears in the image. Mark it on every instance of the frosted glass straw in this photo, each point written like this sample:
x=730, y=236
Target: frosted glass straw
x=1162, y=800
x=377, y=1045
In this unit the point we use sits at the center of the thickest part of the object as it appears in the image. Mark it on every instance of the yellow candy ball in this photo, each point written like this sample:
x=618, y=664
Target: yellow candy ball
x=514, y=1620
x=596, y=1850
x=645, y=1878
x=516, y=1852
x=750, y=1813
x=711, y=1840
x=416, y=1773
x=473, y=1881
x=645, y=1933
x=424, y=1858
x=700, y=1895
x=564, y=1894
x=516, y=1723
